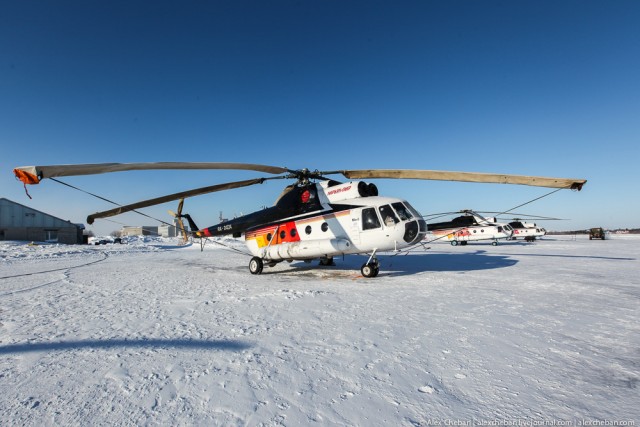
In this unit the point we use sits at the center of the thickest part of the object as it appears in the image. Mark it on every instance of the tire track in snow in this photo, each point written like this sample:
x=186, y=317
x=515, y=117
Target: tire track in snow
x=106, y=255
x=65, y=274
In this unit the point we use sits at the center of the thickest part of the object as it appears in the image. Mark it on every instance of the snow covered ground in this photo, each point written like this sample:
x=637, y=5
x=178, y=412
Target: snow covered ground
x=151, y=333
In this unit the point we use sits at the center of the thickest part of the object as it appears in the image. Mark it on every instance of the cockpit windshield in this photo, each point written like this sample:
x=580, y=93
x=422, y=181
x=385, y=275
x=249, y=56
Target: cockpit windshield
x=402, y=211
x=411, y=210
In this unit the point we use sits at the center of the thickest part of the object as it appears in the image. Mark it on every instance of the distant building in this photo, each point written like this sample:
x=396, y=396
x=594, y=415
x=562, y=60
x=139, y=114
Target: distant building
x=19, y=222
x=149, y=230
x=167, y=230
x=139, y=230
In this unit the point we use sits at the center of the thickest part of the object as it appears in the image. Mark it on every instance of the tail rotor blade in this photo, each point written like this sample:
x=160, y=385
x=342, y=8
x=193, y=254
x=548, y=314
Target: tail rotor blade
x=180, y=222
x=180, y=204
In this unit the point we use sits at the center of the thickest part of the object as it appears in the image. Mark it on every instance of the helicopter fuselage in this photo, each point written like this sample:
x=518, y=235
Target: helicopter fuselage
x=326, y=219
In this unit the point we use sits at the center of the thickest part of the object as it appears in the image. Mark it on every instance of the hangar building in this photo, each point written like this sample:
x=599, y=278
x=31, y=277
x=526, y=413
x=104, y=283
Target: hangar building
x=19, y=222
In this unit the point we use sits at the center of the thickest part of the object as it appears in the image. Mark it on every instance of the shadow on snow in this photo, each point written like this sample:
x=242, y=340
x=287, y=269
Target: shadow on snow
x=471, y=261
x=223, y=345
x=408, y=264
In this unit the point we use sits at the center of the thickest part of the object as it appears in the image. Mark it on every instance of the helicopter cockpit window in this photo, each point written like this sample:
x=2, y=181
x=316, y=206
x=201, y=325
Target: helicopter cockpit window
x=412, y=210
x=370, y=219
x=388, y=216
x=402, y=211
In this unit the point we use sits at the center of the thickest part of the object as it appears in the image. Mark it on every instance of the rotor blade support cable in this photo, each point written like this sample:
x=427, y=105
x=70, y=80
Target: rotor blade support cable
x=530, y=201
x=107, y=200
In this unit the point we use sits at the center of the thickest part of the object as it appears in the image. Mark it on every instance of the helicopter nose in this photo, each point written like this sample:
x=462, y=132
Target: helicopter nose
x=414, y=231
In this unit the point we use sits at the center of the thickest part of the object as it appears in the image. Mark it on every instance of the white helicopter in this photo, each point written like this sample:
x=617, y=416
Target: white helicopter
x=470, y=227
x=314, y=218
x=527, y=230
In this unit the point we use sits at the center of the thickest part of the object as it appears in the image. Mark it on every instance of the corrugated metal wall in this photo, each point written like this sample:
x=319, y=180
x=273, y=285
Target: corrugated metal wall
x=16, y=215
x=18, y=222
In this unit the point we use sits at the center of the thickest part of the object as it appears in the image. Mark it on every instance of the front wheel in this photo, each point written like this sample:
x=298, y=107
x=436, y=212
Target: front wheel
x=256, y=265
x=370, y=270
x=494, y=243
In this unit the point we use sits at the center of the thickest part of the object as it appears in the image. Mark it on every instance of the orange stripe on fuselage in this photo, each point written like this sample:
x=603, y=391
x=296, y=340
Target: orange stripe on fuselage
x=285, y=232
x=263, y=235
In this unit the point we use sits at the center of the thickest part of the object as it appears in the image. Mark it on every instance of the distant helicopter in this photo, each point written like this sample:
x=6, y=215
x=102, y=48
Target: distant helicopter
x=527, y=230
x=314, y=218
x=470, y=227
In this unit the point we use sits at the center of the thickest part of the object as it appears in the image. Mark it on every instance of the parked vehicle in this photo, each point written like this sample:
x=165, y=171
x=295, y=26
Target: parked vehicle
x=596, y=233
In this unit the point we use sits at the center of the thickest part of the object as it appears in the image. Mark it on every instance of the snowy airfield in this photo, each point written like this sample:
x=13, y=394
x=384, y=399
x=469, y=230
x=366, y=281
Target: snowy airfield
x=151, y=333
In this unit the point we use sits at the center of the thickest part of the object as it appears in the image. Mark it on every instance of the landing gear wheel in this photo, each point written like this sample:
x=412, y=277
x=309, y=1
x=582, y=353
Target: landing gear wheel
x=325, y=262
x=454, y=243
x=464, y=243
x=494, y=243
x=370, y=270
x=256, y=265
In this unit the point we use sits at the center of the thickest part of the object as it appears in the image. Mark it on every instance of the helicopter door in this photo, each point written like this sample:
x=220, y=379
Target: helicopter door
x=354, y=233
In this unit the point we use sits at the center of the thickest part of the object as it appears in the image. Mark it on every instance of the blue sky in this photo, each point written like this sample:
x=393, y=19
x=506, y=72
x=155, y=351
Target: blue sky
x=529, y=87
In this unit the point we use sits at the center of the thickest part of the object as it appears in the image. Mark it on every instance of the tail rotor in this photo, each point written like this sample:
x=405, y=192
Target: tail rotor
x=178, y=216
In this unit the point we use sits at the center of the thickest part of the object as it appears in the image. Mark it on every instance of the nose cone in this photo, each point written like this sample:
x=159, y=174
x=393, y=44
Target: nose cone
x=414, y=231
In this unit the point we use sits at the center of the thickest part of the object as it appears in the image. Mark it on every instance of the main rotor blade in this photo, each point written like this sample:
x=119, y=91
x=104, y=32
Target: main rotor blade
x=190, y=193
x=574, y=184
x=514, y=215
x=34, y=174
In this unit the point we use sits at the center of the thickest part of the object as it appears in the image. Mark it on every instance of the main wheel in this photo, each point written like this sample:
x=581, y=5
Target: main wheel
x=494, y=243
x=369, y=270
x=256, y=265
x=325, y=262
x=454, y=243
